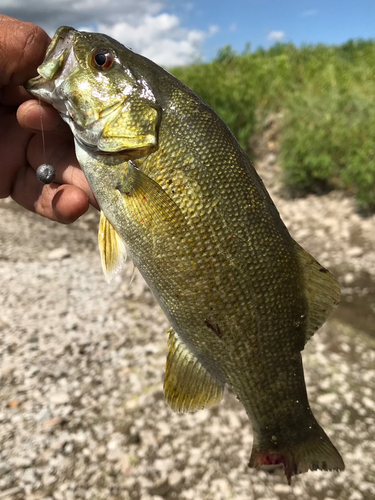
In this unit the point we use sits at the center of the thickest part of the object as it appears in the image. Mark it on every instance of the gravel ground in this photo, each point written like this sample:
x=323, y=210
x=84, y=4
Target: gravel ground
x=82, y=414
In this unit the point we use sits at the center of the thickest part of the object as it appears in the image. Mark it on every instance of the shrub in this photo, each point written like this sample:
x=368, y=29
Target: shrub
x=327, y=95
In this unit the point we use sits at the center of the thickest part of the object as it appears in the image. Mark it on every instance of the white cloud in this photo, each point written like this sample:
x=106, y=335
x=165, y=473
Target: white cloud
x=160, y=38
x=144, y=25
x=213, y=29
x=276, y=36
x=309, y=13
x=233, y=27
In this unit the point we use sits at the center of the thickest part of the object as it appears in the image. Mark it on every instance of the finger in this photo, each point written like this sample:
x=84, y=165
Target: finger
x=22, y=50
x=36, y=116
x=68, y=203
x=59, y=203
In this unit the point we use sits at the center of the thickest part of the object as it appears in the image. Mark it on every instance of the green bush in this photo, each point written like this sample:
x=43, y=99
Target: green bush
x=327, y=95
x=328, y=142
x=221, y=84
x=360, y=173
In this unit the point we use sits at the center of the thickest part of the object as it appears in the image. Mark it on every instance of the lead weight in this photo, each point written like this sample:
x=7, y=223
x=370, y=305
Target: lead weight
x=46, y=173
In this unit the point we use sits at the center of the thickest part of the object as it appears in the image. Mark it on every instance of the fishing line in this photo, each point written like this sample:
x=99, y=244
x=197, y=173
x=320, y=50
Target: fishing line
x=45, y=172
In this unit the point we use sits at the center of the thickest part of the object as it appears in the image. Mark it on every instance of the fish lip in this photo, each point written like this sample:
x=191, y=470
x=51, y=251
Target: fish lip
x=31, y=83
x=41, y=89
x=62, y=40
x=54, y=62
x=38, y=87
x=57, y=53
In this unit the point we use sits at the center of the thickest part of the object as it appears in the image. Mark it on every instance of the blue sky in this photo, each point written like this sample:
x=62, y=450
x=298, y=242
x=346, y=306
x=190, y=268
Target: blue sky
x=241, y=21
x=177, y=32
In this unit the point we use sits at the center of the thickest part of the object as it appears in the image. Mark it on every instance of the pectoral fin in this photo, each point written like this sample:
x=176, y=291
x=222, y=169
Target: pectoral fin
x=112, y=248
x=188, y=386
x=147, y=200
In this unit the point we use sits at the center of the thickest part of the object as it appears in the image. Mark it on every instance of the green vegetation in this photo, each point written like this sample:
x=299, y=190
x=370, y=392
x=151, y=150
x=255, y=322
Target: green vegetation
x=327, y=95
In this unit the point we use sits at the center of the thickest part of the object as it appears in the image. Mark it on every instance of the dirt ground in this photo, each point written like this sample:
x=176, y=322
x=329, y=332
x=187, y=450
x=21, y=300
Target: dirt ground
x=82, y=413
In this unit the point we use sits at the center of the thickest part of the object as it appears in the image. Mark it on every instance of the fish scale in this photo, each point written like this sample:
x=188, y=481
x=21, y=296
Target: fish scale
x=179, y=195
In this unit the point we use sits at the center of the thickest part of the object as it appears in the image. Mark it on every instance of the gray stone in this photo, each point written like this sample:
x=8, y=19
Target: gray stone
x=59, y=398
x=4, y=468
x=59, y=254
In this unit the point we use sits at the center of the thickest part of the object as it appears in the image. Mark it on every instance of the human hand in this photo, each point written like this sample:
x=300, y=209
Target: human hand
x=22, y=49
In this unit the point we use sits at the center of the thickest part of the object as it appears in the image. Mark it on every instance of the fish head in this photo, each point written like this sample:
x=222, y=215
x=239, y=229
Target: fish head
x=87, y=78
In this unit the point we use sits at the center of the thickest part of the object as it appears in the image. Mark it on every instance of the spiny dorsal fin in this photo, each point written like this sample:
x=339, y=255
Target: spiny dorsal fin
x=321, y=289
x=188, y=386
x=112, y=248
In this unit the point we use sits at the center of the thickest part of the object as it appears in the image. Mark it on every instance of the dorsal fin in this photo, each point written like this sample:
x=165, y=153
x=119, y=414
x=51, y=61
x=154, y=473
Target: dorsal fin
x=321, y=289
x=188, y=386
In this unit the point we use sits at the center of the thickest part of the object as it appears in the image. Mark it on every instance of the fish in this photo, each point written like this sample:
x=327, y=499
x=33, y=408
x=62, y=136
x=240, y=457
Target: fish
x=179, y=196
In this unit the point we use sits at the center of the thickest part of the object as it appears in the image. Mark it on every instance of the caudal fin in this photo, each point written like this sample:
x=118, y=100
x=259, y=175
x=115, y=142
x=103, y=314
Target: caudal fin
x=313, y=454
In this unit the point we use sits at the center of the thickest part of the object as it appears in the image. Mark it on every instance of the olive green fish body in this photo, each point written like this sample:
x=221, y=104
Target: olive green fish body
x=181, y=197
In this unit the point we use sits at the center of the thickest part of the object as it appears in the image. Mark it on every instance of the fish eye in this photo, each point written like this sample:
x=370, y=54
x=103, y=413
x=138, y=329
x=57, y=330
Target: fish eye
x=102, y=59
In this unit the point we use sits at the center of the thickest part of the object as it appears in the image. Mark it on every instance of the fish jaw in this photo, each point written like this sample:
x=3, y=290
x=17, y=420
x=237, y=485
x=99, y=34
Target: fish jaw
x=57, y=66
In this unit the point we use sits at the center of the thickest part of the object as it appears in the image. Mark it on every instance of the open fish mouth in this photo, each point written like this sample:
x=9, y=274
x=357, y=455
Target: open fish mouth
x=58, y=63
x=54, y=62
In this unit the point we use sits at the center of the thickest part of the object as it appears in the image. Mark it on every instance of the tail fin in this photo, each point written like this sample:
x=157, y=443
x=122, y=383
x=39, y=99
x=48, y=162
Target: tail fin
x=314, y=454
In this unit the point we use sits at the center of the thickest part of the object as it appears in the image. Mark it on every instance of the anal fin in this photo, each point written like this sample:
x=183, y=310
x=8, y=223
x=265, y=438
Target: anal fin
x=112, y=248
x=188, y=386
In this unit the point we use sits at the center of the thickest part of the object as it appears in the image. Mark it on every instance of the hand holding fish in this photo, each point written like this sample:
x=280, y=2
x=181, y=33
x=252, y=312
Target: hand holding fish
x=22, y=49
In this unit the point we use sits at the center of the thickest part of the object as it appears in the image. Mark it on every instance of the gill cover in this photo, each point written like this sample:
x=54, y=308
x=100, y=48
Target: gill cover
x=134, y=126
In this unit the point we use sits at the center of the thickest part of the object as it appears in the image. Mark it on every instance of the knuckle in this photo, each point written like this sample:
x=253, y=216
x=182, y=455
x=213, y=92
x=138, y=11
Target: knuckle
x=22, y=48
x=33, y=46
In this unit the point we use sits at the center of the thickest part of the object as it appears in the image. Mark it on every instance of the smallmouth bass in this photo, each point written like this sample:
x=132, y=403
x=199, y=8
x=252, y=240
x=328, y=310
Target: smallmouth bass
x=182, y=199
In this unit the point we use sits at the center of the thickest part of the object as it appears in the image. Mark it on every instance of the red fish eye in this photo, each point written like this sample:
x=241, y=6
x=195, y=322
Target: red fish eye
x=102, y=59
